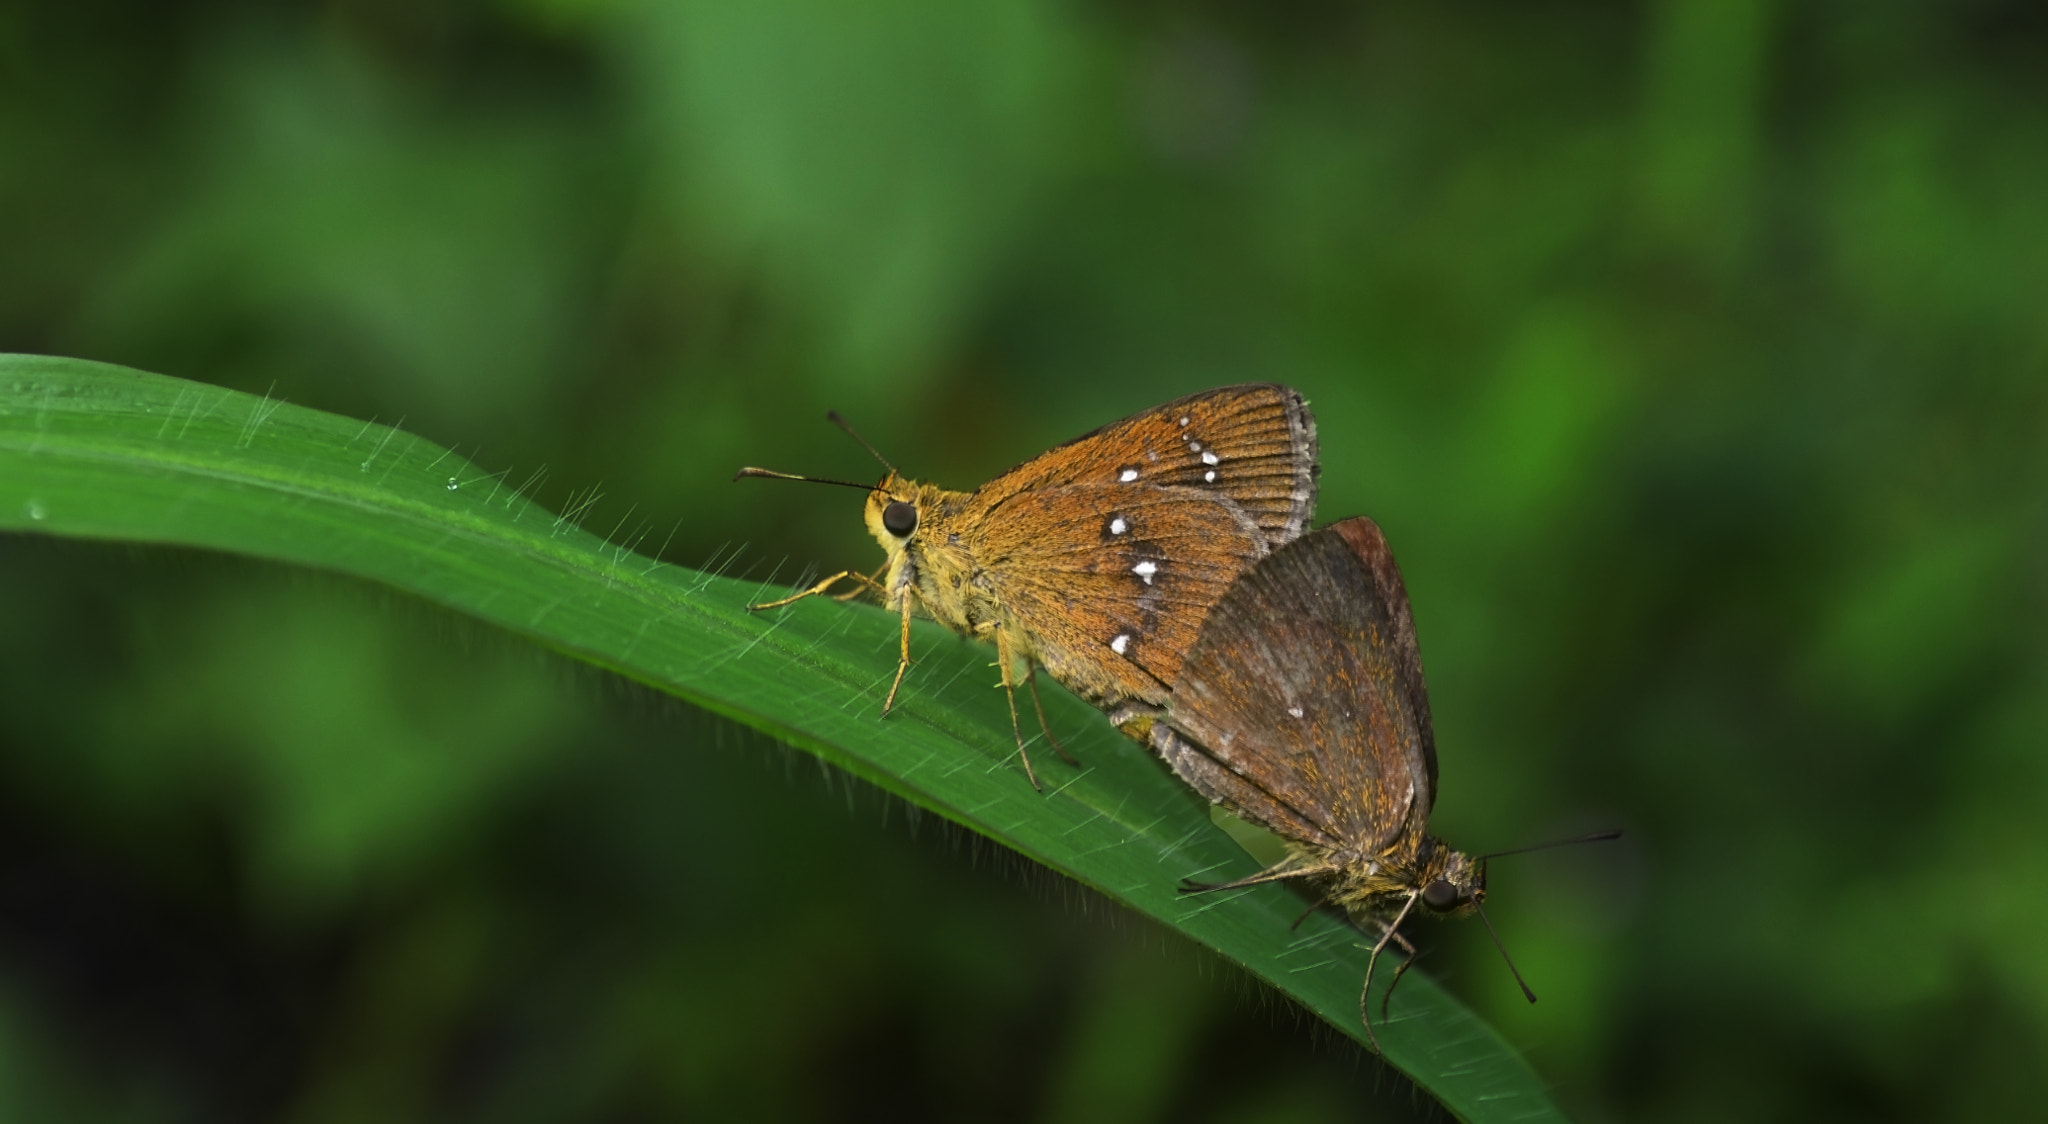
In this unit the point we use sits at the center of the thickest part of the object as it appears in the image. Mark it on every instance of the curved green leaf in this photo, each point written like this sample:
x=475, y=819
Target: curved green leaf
x=96, y=451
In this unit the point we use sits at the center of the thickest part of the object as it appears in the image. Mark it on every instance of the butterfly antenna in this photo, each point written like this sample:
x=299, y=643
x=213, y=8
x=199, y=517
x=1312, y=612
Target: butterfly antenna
x=1595, y=837
x=744, y=473
x=835, y=419
x=1504, y=951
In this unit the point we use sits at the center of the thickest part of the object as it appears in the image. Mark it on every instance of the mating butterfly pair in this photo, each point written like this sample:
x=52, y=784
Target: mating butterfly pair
x=1158, y=568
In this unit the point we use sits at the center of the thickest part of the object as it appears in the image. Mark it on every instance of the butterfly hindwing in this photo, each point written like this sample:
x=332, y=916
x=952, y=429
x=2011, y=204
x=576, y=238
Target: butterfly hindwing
x=1112, y=582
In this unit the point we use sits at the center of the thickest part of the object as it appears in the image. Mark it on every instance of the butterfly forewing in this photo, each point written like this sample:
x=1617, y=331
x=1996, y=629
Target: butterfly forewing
x=1306, y=687
x=1254, y=445
x=1369, y=546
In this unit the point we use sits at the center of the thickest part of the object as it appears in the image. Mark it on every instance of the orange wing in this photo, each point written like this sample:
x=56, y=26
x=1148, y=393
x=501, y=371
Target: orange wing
x=1109, y=584
x=1254, y=445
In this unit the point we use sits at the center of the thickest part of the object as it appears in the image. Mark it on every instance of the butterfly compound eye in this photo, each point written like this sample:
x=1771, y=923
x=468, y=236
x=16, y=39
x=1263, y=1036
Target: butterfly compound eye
x=1440, y=895
x=899, y=518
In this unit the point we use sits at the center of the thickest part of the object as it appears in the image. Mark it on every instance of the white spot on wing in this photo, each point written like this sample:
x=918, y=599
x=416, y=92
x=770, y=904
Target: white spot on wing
x=1209, y=458
x=1146, y=569
x=1122, y=641
x=1127, y=475
x=1183, y=421
x=1194, y=446
x=1117, y=526
x=1295, y=711
x=1209, y=476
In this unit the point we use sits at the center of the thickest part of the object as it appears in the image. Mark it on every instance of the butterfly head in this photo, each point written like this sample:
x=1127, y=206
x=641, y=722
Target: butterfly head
x=917, y=524
x=894, y=510
x=1452, y=883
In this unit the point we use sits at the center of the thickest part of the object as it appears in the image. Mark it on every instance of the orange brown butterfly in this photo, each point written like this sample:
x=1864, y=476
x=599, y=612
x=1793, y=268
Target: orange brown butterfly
x=1098, y=559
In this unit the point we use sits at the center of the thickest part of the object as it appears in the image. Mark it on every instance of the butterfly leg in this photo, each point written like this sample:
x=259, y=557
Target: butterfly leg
x=1003, y=658
x=1390, y=932
x=1031, y=681
x=1407, y=960
x=1317, y=904
x=817, y=589
x=1281, y=872
x=902, y=659
x=863, y=583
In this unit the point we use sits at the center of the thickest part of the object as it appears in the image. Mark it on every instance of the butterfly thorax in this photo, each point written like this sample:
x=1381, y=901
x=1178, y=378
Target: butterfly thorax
x=1378, y=886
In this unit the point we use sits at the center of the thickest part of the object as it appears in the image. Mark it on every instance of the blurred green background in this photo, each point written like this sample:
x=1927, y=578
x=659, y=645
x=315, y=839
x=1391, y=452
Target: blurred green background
x=1691, y=352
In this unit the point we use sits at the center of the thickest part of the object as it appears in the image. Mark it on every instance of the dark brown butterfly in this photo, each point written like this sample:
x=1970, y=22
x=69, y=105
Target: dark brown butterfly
x=1302, y=709
x=1100, y=558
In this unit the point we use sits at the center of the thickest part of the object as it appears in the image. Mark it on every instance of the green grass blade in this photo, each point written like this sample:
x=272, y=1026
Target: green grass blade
x=89, y=450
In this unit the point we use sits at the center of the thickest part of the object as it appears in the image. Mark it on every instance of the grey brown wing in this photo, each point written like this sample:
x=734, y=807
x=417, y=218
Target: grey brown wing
x=1403, y=649
x=1301, y=706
